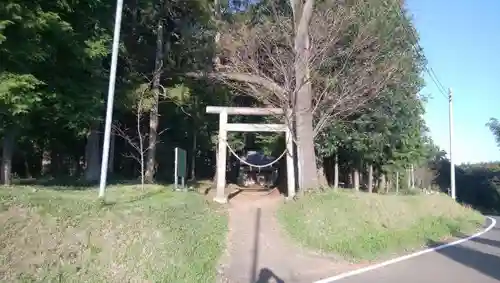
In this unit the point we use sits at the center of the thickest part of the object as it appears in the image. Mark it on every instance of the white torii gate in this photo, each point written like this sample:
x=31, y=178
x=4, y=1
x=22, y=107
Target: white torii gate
x=225, y=127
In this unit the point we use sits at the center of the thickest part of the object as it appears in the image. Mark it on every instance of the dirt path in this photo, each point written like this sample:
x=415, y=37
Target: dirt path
x=258, y=252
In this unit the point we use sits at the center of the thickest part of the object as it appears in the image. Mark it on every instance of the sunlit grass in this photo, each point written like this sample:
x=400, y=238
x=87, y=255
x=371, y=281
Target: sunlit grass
x=362, y=226
x=155, y=235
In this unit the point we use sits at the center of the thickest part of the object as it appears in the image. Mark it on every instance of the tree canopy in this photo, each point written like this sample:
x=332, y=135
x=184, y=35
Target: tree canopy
x=494, y=126
x=349, y=70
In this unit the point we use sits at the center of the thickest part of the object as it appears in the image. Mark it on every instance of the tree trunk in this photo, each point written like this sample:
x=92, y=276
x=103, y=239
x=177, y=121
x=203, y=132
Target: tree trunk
x=54, y=161
x=408, y=175
x=355, y=174
x=336, y=169
x=388, y=185
x=45, y=162
x=193, y=155
x=370, y=178
x=397, y=182
x=142, y=172
x=92, y=170
x=80, y=163
x=216, y=14
x=73, y=166
x=153, y=114
x=27, y=168
x=9, y=142
x=382, y=185
x=216, y=65
x=361, y=177
x=412, y=177
x=322, y=175
x=304, y=130
x=141, y=146
x=350, y=180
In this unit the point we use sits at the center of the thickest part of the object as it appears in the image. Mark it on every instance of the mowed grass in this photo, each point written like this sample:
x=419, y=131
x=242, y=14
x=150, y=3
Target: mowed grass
x=155, y=235
x=361, y=226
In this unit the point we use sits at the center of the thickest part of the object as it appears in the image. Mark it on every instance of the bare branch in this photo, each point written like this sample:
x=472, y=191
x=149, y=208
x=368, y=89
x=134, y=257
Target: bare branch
x=136, y=138
x=349, y=65
x=243, y=78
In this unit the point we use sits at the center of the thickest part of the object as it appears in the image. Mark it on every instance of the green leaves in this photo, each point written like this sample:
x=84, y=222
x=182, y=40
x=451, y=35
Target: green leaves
x=3, y=25
x=179, y=93
x=19, y=93
x=494, y=126
x=52, y=75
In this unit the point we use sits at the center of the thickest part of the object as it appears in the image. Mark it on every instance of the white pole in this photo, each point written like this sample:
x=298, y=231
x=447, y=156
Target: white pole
x=452, y=163
x=111, y=94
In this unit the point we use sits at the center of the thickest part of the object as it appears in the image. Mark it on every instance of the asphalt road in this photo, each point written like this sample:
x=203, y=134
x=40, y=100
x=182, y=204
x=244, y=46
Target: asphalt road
x=474, y=261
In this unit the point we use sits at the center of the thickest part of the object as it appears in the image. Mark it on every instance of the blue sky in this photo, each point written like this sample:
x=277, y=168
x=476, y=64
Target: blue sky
x=461, y=40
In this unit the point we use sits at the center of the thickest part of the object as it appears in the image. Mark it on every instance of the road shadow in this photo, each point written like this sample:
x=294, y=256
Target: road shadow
x=489, y=242
x=484, y=263
x=256, y=239
x=265, y=274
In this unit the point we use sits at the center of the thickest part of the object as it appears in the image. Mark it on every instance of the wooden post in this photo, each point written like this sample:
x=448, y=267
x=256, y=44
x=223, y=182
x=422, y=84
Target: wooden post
x=220, y=195
x=290, y=172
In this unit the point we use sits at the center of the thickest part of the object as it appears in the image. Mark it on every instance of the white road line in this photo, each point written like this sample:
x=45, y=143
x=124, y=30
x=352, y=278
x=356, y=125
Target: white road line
x=406, y=257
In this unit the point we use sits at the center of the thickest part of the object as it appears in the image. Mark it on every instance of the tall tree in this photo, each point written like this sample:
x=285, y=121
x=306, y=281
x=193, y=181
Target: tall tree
x=177, y=33
x=54, y=68
x=321, y=69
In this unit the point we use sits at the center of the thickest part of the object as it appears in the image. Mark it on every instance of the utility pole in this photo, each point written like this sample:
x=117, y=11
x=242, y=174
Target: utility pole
x=111, y=95
x=452, y=163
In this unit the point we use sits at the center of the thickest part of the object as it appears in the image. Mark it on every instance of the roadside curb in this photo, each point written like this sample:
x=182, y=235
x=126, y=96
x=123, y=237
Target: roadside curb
x=406, y=257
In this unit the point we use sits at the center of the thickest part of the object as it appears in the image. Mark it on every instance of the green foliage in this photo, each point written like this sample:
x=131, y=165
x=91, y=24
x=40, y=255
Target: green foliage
x=54, y=83
x=494, y=126
x=18, y=93
x=3, y=25
x=179, y=93
x=390, y=132
x=49, y=55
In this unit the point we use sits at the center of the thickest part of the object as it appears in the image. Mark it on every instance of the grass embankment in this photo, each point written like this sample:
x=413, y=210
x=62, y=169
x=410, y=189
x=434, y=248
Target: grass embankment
x=370, y=226
x=157, y=235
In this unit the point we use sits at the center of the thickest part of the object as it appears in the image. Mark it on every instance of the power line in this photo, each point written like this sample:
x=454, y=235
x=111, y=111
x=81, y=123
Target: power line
x=443, y=89
x=439, y=85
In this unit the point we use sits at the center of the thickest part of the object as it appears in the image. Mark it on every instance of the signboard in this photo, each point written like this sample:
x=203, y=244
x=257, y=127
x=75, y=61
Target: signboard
x=180, y=168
